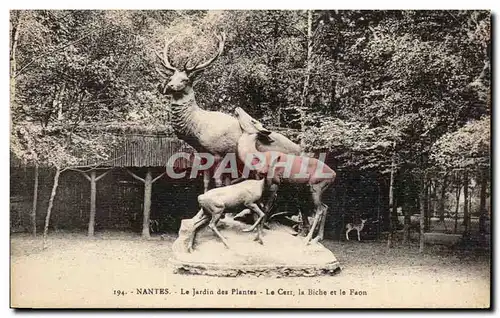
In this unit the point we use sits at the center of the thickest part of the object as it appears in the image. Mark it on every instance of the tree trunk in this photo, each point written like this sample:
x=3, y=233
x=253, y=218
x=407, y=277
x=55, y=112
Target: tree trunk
x=59, y=103
x=93, y=193
x=425, y=203
x=378, y=210
x=457, y=197
x=482, y=202
x=394, y=213
x=407, y=215
x=307, y=76
x=422, y=198
x=35, y=201
x=384, y=205
x=392, y=209
x=49, y=208
x=432, y=197
x=407, y=223
x=148, y=185
x=466, y=222
x=14, y=33
x=471, y=194
x=442, y=198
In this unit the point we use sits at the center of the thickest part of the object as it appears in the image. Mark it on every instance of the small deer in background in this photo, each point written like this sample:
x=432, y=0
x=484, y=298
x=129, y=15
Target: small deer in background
x=154, y=226
x=353, y=226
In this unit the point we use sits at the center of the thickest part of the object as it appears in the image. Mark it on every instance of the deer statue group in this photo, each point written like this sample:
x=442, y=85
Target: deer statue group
x=219, y=133
x=211, y=132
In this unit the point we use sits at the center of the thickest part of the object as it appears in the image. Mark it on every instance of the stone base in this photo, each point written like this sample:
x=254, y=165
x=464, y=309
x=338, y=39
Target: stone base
x=281, y=255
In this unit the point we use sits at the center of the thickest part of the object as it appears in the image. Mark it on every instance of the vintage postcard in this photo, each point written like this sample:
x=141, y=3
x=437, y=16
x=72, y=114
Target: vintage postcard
x=250, y=159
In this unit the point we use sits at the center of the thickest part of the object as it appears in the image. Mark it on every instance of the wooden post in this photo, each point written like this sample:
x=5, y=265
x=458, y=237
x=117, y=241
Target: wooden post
x=93, y=178
x=93, y=191
x=148, y=187
x=35, y=200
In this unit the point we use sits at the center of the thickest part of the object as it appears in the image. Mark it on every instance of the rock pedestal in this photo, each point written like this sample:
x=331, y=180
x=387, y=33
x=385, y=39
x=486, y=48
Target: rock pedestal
x=282, y=254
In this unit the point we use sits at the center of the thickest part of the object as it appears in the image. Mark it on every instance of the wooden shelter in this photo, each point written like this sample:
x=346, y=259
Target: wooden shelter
x=143, y=157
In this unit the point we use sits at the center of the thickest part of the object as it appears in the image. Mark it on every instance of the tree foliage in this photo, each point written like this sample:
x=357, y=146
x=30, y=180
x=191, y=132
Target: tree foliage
x=466, y=148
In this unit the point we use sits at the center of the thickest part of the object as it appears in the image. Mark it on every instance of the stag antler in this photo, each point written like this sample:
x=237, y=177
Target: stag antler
x=165, y=62
x=221, y=38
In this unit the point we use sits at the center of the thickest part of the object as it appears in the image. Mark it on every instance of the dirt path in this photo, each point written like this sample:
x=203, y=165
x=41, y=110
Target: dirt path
x=82, y=272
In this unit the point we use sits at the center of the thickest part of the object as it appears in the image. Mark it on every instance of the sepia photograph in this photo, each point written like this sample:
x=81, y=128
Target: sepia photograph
x=336, y=159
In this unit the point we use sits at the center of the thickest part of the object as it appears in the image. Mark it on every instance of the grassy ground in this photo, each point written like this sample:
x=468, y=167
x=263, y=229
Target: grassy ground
x=82, y=272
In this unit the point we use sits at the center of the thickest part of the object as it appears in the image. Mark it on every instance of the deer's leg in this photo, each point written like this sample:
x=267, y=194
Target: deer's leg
x=359, y=239
x=213, y=224
x=272, y=198
x=218, y=182
x=317, y=217
x=318, y=208
x=206, y=180
x=347, y=234
x=305, y=222
x=304, y=225
x=243, y=213
x=302, y=204
x=227, y=180
x=197, y=225
x=254, y=207
x=217, y=166
x=198, y=215
x=269, y=205
x=318, y=191
x=321, y=231
x=260, y=228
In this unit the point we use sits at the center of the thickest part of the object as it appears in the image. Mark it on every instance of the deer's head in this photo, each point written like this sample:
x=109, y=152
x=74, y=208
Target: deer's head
x=249, y=124
x=270, y=161
x=179, y=80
